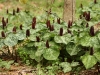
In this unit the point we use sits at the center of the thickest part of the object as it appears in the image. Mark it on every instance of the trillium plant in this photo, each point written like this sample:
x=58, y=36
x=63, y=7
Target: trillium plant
x=49, y=40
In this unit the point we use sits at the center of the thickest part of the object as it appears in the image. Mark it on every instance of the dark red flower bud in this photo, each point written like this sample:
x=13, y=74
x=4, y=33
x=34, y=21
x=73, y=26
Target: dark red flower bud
x=13, y=12
x=27, y=33
x=61, y=32
x=87, y=25
x=3, y=19
x=17, y=10
x=3, y=34
x=34, y=19
x=81, y=5
x=14, y=29
x=95, y=1
x=3, y=23
x=52, y=27
x=33, y=25
x=21, y=27
x=92, y=31
x=91, y=51
x=47, y=44
x=7, y=11
x=37, y=39
x=69, y=24
x=84, y=14
x=68, y=31
x=7, y=20
x=58, y=20
x=48, y=23
x=87, y=17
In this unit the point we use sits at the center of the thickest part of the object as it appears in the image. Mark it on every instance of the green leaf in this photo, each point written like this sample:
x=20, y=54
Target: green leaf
x=1, y=43
x=85, y=41
x=88, y=60
x=39, y=51
x=97, y=55
x=66, y=66
x=72, y=49
x=63, y=39
x=11, y=40
x=32, y=55
x=32, y=37
x=20, y=35
x=94, y=42
x=10, y=62
x=38, y=58
x=74, y=64
x=51, y=54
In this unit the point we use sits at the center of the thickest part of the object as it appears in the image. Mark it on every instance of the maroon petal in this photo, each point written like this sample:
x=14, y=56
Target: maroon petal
x=13, y=12
x=92, y=31
x=21, y=27
x=61, y=32
x=27, y=33
x=47, y=44
x=7, y=20
x=7, y=11
x=91, y=51
x=48, y=23
x=81, y=5
x=69, y=24
x=58, y=20
x=17, y=10
x=38, y=39
x=14, y=29
x=3, y=34
x=87, y=25
x=95, y=1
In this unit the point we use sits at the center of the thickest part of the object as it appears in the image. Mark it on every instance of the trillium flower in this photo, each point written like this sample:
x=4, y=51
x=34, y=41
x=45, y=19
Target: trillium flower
x=27, y=33
x=92, y=31
x=14, y=29
x=47, y=44
x=3, y=34
x=61, y=32
x=21, y=27
x=37, y=39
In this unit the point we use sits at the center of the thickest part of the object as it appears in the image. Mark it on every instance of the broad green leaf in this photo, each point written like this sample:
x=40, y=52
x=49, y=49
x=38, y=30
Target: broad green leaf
x=46, y=36
x=72, y=49
x=32, y=37
x=38, y=58
x=1, y=43
x=85, y=41
x=88, y=60
x=95, y=42
x=39, y=51
x=34, y=31
x=11, y=40
x=51, y=54
x=32, y=55
x=63, y=39
x=74, y=64
x=39, y=44
x=66, y=66
x=20, y=35
x=97, y=55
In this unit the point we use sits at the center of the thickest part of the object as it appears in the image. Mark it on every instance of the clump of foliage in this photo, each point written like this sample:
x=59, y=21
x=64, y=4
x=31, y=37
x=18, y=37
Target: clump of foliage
x=50, y=43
